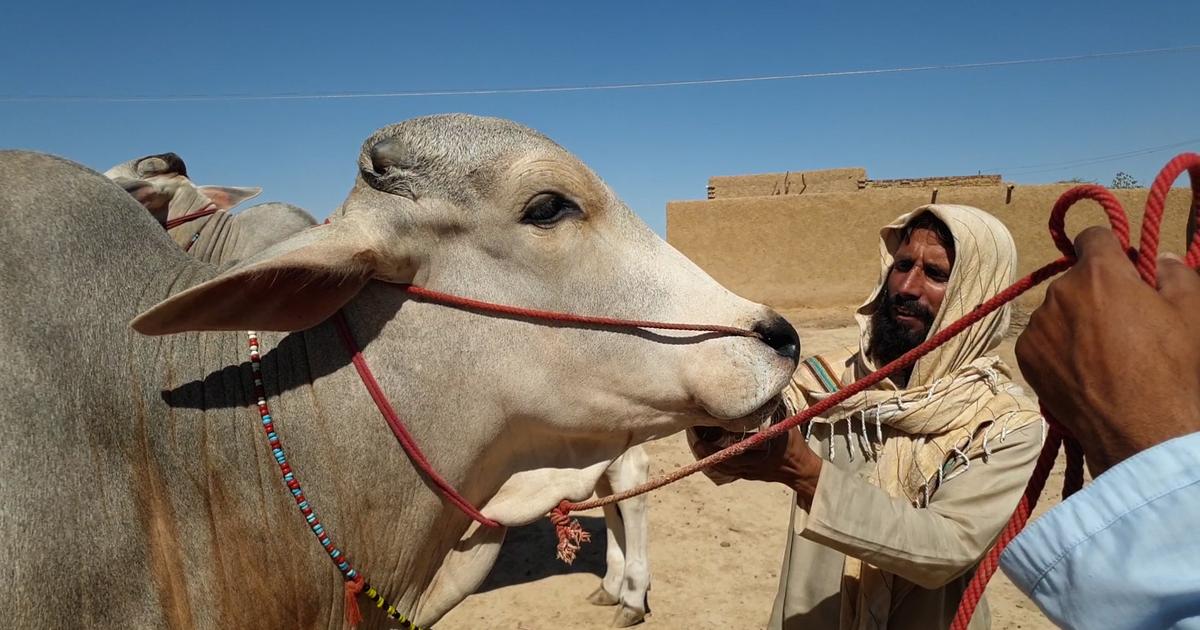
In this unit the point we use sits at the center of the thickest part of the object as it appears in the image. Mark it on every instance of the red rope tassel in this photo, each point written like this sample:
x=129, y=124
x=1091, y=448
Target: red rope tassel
x=352, y=589
x=571, y=534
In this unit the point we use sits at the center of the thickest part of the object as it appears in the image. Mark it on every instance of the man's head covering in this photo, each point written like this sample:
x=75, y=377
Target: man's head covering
x=985, y=262
x=956, y=394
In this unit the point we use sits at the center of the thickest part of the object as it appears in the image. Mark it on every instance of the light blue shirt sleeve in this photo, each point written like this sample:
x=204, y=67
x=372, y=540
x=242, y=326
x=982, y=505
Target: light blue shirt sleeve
x=1124, y=552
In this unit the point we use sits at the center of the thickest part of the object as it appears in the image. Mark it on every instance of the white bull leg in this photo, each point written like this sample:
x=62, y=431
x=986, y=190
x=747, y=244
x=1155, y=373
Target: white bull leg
x=632, y=539
x=609, y=591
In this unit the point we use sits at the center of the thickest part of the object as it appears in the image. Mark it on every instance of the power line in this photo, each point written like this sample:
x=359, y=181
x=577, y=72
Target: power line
x=301, y=96
x=1046, y=167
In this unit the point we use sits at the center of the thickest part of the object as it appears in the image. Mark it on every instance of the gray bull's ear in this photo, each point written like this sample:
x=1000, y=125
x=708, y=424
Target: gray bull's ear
x=293, y=285
x=147, y=194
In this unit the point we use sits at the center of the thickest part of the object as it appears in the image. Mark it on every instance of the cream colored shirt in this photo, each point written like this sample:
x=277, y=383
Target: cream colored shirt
x=935, y=548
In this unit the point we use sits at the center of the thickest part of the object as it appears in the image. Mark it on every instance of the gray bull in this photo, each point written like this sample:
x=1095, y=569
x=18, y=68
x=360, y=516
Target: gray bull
x=138, y=490
x=161, y=184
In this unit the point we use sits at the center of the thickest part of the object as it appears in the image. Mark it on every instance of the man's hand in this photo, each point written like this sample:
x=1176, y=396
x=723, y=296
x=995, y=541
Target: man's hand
x=786, y=459
x=1116, y=362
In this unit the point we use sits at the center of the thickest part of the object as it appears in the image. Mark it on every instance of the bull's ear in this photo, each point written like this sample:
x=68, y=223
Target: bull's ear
x=227, y=197
x=147, y=194
x=294, y=285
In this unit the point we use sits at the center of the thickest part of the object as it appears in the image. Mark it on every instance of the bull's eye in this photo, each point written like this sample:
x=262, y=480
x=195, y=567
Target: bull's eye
x=545, y=210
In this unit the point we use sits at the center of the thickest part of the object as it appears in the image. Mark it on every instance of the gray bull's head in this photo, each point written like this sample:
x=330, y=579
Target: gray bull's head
x=161, y=184
x=490, y=209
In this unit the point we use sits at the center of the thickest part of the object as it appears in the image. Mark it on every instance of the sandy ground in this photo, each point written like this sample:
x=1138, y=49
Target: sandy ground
x=715, y=553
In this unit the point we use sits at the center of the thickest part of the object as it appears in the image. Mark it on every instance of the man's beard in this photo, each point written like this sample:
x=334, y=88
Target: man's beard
x=889, y=337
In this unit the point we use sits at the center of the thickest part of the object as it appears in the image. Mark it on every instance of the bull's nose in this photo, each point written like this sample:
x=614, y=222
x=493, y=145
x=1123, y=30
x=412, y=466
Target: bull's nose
x=779, y=334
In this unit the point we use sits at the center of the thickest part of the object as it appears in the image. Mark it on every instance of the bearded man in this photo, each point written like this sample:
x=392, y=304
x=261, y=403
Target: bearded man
x=900, y=490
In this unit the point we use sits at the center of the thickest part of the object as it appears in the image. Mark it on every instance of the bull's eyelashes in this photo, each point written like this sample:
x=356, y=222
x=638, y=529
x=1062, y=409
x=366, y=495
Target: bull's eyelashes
x=545, y=210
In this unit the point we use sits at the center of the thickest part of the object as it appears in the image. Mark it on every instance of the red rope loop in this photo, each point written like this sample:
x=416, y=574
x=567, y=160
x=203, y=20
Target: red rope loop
x=398, y=429
x=1117, y=218
x=571, y=535
x=1146, y=261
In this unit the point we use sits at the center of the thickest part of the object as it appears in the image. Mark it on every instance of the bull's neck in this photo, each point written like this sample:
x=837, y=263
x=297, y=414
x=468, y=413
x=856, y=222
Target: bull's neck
x=405, y=530
x=205, y=238
x=371, y=501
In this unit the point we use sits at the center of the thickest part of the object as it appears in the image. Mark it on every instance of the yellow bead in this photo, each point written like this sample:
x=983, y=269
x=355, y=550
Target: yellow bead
x=391, y=610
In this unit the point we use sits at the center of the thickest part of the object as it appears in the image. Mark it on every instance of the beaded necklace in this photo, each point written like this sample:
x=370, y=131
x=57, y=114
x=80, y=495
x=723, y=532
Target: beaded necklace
x=354, y=581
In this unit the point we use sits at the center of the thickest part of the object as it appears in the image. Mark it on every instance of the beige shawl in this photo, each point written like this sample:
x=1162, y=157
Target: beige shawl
x=957, y=398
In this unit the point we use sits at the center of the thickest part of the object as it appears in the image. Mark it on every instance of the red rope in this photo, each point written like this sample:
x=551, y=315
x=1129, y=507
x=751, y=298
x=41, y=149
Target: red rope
x=199, y=214
x=402, y=435
x=569, y=318
x=987, y=567
x=908, y=358
x=1120, y=226
x=1146, y=261
x=571, y=535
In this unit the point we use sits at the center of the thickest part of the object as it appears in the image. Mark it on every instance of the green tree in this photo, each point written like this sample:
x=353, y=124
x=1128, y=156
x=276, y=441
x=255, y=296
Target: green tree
x=1124, y=180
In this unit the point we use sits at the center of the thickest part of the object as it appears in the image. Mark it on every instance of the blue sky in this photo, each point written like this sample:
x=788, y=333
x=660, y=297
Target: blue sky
x=651, y=145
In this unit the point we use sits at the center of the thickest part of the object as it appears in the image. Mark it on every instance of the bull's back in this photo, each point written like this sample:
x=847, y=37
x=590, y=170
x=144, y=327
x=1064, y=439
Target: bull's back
x=75, y=267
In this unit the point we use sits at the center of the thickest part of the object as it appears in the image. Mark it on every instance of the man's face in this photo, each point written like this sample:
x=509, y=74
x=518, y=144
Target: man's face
x=917, y=281
x=915, y=287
